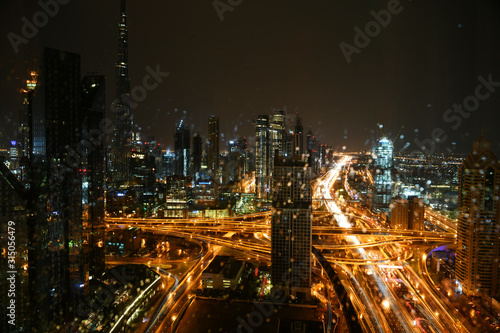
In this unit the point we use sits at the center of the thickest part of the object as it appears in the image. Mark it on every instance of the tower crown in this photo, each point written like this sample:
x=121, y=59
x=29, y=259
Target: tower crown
x=481, y=145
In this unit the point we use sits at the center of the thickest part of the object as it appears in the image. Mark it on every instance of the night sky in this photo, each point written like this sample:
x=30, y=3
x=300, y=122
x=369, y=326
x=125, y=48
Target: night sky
x=280, y=54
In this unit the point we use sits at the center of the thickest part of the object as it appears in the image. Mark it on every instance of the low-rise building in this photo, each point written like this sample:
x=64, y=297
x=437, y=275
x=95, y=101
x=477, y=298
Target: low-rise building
x=224, y=272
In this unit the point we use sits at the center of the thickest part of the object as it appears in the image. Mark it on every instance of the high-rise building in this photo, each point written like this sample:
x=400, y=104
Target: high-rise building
x=312, y=151
x=213, y=147
x=168, y=161
x=382, y=183
x=291, y=227
x=242, y=148
x=25, y=139
x=197, y=154
x=477, y=266
x=122, y=136
x=262, y=157
x=277, y=133
x=93, y=172
x=408, y=214
x=298, y=138
x=55, y=232
x=182, y=144
x=236, y=163
x=289, y=143
x=324, y=150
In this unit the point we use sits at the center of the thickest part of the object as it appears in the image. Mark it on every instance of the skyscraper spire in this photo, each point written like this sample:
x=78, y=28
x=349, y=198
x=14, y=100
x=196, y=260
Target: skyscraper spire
x=121, y=142
x=123, y=81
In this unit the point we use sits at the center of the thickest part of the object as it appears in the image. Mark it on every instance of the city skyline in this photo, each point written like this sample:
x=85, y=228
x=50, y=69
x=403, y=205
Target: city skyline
x=303, y=162
x=228, y=79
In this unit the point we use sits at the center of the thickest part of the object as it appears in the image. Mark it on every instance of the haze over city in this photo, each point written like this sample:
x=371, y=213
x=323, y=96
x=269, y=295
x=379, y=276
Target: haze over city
x=283, y=54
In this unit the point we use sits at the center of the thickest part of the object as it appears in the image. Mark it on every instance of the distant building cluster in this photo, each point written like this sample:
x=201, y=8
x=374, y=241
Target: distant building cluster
x=272, y=138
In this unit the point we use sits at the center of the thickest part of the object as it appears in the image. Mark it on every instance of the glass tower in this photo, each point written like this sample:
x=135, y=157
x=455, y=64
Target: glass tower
x=382, y=180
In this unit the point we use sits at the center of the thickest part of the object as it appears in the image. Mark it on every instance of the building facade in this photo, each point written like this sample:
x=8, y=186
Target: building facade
x=408, y=214
x=291, y=228
x=477, y=265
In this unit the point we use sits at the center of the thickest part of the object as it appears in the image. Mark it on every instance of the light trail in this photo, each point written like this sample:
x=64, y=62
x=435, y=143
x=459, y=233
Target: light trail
x=328, y=181
x=134, y=303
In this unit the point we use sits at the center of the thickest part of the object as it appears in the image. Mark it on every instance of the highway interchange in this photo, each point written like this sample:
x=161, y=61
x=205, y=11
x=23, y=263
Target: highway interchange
x=388, y=282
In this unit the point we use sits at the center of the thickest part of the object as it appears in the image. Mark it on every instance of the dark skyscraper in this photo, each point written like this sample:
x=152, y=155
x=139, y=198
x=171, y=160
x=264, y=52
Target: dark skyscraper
x=197, y=154
x=182, y=143
x=122, y=137
x=56, y=264
x=477, y=267
x=289, y=143
x=312, y=151
x=93, y=172
x=213, y=146
x=291, y=232
x=298, y=138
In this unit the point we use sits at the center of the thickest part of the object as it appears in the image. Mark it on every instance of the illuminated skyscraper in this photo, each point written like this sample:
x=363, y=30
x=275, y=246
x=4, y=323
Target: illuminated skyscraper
x=262, y=156
x=270, y=137
x=382, y=183
x=477, y=265
x=277, y=133
x=213, y=146
x=291, y=227
x=122, y=136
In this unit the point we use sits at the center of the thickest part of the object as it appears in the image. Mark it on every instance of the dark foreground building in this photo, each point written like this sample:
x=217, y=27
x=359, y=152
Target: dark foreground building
x=291, y=227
